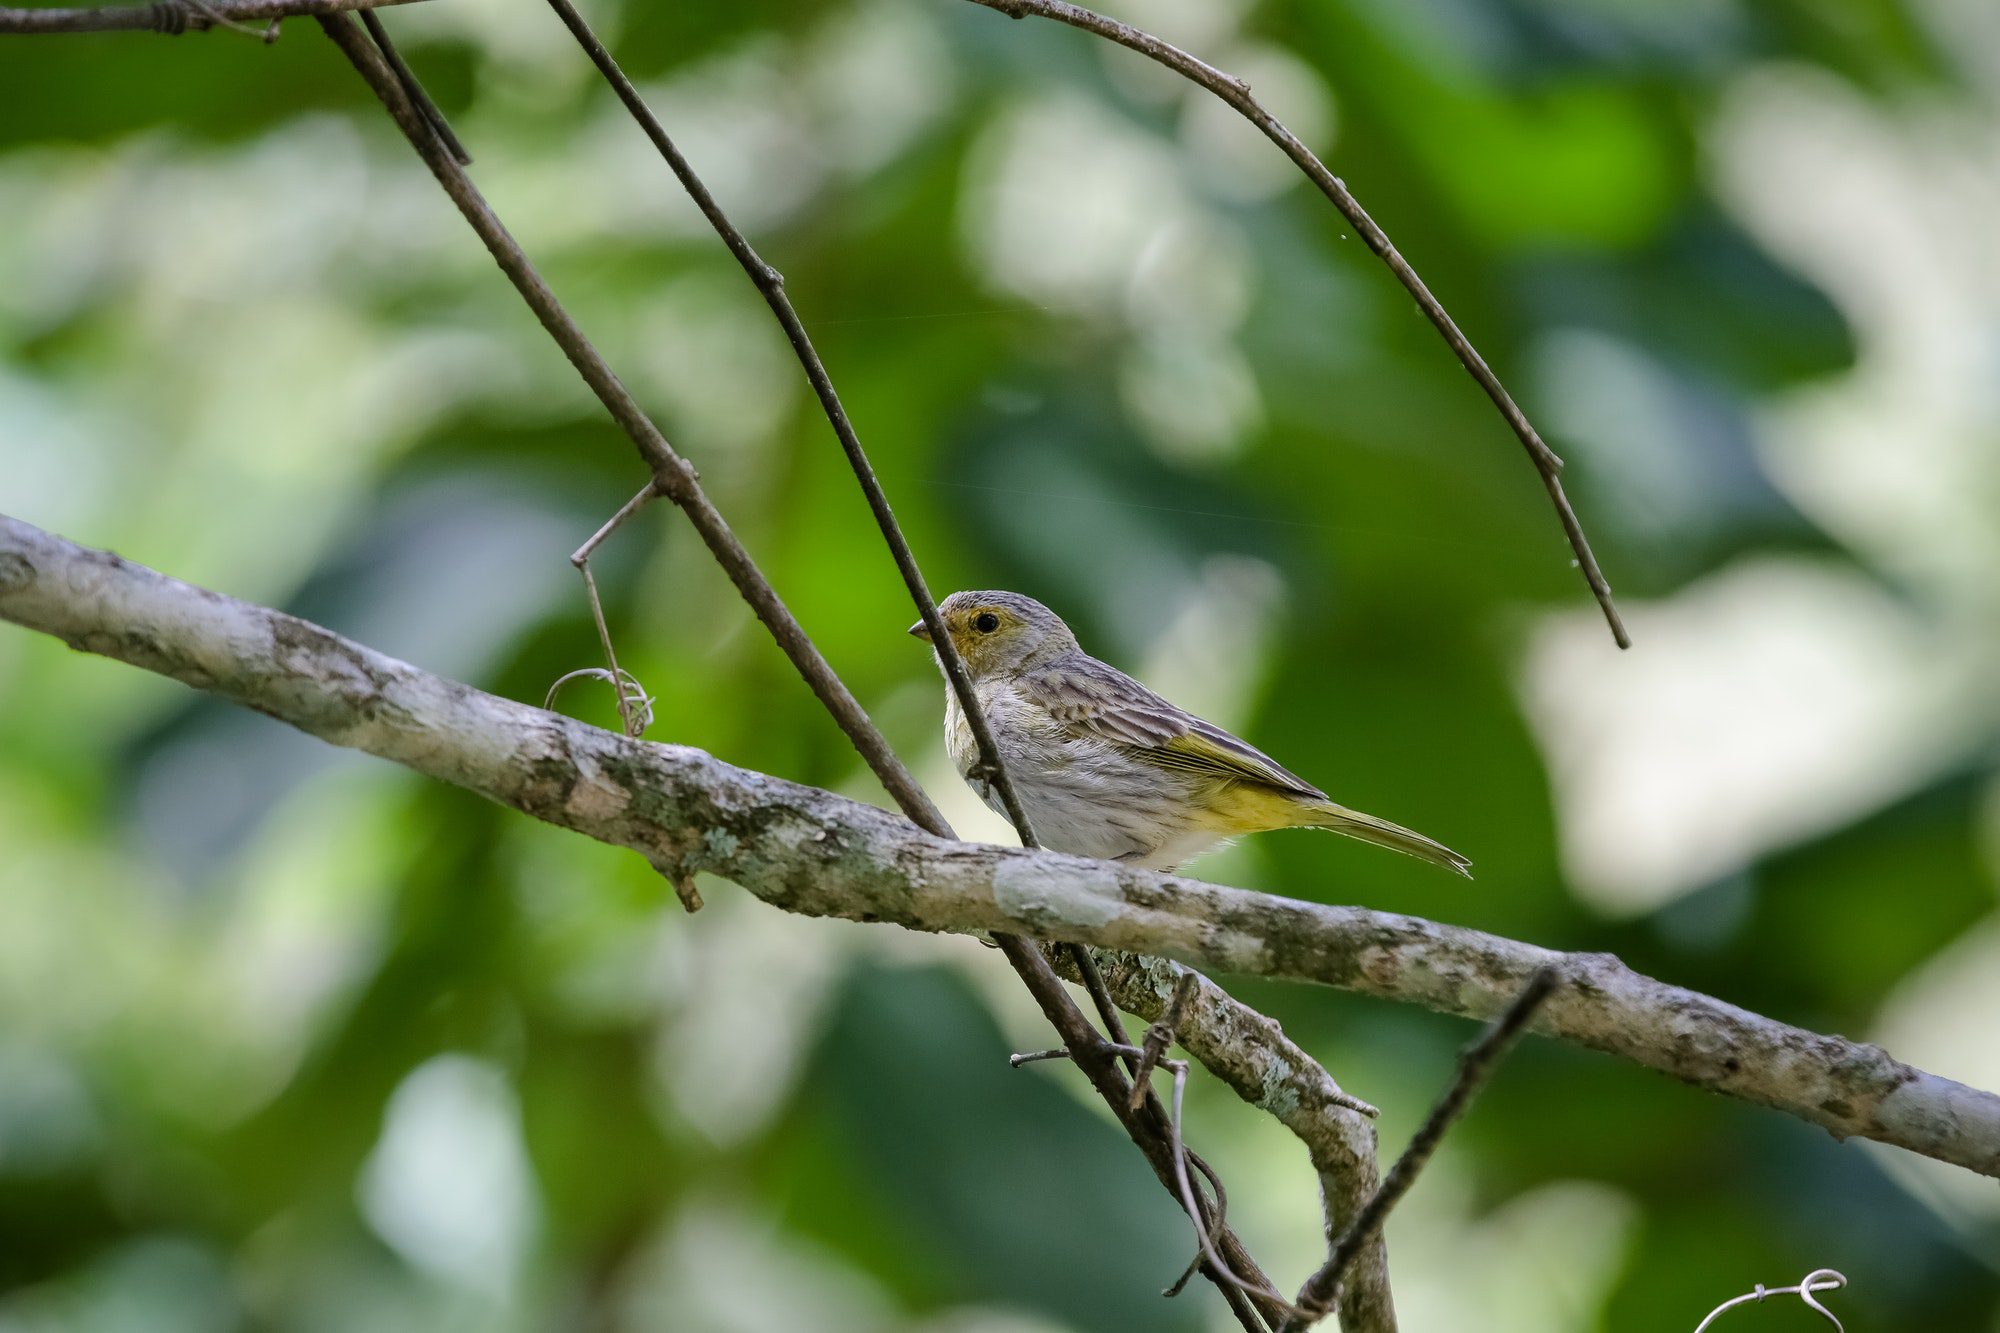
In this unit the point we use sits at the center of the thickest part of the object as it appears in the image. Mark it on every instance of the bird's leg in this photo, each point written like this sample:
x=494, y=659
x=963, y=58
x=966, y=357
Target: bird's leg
x=982, y=778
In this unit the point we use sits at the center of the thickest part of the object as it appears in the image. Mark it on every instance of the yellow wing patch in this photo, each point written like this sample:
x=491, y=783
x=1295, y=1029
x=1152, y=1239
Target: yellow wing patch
x=1202, y=750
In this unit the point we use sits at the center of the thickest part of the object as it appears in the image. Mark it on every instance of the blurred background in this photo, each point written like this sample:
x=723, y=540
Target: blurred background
x=292, y=1040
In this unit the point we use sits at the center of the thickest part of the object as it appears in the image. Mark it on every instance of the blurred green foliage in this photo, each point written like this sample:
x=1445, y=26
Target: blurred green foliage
x=290, y=1040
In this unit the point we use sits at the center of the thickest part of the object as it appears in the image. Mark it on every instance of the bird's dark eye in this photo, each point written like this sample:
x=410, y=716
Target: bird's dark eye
x=986, y=622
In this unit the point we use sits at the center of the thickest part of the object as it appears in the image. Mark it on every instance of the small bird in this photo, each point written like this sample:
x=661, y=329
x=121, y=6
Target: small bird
x=1105, y=767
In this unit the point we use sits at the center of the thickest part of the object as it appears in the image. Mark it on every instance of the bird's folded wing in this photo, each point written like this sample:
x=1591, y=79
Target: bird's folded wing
x=1102, y=701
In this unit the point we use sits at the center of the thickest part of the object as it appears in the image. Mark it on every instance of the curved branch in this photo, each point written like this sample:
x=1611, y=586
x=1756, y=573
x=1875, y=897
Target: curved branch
x=1236, y=93
x=812, y=852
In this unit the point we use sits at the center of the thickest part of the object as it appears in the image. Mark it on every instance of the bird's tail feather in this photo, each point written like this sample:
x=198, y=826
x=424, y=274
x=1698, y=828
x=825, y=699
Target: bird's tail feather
x=1327, y=815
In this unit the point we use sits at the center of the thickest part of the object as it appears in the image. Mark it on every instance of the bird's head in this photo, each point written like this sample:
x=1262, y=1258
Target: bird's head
x=1000, y=633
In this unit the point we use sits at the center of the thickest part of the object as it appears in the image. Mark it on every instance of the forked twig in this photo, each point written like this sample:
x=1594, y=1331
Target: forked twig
x=1236, y=93
x=1475, y=1066
x=1148, y=1128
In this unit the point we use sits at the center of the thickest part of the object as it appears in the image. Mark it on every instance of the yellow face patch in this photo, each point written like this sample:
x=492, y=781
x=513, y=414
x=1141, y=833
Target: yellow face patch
x=982, y=634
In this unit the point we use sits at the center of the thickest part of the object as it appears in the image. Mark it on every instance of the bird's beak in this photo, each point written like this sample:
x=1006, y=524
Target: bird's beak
x=918, y=631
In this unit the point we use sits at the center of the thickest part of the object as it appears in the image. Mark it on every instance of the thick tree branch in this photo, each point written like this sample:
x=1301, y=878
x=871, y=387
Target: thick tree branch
x=174, y=17
x=819, y=854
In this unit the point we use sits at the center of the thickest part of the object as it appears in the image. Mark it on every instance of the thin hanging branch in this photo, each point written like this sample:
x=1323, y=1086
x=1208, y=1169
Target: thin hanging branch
x=1236, y=93
x=628, y=718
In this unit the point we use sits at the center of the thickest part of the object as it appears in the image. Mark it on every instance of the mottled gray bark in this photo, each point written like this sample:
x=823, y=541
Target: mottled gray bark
x=812, y=852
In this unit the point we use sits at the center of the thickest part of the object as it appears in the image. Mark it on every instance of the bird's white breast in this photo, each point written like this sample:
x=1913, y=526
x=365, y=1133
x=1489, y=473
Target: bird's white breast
x=1081, y=793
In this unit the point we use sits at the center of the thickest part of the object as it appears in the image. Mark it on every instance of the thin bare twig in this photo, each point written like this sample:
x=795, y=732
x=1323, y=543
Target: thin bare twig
x=581, y=559
x=1092, y=980
x=173, y=17
x=633, y=701
x=1239, y=1278
x=1236, y=93
x=674, y=478
x=1475, y=1066
x=1268, y=1297
x=1199, y=1209
x=629, y=720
